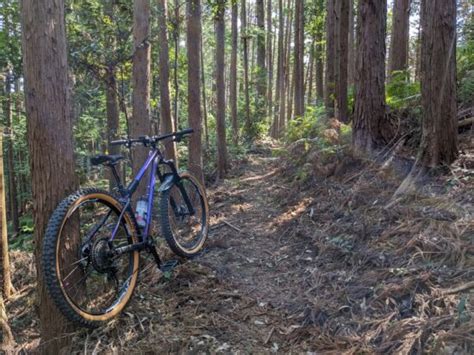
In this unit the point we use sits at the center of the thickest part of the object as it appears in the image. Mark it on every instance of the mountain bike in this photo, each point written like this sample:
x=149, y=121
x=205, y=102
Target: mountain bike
x=93, y=239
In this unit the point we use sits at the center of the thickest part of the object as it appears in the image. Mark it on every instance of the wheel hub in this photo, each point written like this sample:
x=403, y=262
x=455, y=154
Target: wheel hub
x=101, y=256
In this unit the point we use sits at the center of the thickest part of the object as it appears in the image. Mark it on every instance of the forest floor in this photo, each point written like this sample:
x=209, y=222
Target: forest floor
x=326, y=264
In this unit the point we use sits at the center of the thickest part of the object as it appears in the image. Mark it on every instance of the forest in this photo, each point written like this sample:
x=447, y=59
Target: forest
x=335, y=142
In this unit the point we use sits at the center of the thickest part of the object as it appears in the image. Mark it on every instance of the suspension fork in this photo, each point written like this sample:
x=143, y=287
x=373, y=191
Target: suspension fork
x=175, y=180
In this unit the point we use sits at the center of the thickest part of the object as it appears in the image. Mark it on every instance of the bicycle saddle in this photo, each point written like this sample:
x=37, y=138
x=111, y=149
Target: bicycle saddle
x=106, y=159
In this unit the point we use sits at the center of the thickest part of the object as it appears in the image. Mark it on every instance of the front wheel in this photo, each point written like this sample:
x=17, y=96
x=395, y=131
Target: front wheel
x=185, y=216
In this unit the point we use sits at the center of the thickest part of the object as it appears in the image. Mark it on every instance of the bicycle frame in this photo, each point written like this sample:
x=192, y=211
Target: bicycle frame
x=154, y=160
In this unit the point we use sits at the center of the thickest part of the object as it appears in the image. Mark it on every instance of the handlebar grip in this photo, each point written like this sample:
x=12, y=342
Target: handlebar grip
x=186, y=131
x=119, y=142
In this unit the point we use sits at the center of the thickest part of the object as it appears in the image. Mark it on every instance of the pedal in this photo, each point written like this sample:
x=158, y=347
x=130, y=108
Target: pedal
x=169, y=265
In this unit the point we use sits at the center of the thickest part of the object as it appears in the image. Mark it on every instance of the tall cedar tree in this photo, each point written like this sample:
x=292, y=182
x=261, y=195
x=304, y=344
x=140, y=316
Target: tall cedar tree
x=111, y=95
x=222, y=162
x=260, y=105
x=331, y=45
x=342, y=34
x=140, y=124
x=6, y=287
x=369, y=116
x=400, y=35
x=12, y=183
x=352, y=47
x=6, y=337
x=319, y=66
x=280, y=72
x=269, y=59
x=193, y=44
x=233, y=74
x=245, y=44
x=298, y=75
x=438, y=84
x=49, y=129
x=176, y=36
x=166, y=121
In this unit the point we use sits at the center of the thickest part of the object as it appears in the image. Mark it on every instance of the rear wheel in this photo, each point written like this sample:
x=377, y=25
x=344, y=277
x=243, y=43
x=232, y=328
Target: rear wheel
x=88, y=282
x=185, y=229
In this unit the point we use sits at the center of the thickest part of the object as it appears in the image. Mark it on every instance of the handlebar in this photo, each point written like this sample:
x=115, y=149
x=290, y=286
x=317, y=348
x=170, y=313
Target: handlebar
x=146, y=141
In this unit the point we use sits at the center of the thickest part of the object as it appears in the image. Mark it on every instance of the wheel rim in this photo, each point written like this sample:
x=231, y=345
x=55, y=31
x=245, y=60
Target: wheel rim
x=93, y=281
x=188, y=230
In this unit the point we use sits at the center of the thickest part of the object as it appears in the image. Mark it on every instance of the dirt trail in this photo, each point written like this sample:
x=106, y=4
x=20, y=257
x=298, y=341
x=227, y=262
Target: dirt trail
x=322, y=267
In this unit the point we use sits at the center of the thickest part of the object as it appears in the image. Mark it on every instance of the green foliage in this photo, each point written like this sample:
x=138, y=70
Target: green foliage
x=466, y=88
x=308, y=126
x=400, y=91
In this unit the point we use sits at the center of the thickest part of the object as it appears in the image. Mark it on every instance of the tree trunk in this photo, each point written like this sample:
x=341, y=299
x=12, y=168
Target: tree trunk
x=249, y=124
x=438, y=85
x=6, y=287
x=369, y=116
x=112, y=108
x=6, y=337
x=166, y=122
x=319, y=67
x=49, y=138
x=310, y=74
x=275, y=132
x=261, y=102
x=269, y=59
x=352, y=47
x=233, y=75
x=193, y=29
x=299, y=59
x=331, y=45
x=204, y=96
x=222, y=163
x=285, y=92
x=400, y=36
x=111, y=97
x=140, y=124
x=176, y=32
x=342, y=34
x=12, y=183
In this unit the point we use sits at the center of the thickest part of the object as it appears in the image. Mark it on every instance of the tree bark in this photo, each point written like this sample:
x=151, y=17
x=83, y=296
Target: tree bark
x=222, y=162
x=166, y=122
x=309, y=83
x=285, y=89
x=204, y=96
x=249, y=124
x=111, y=97
x=140, y=124
x=342, y=34
x=12, y=181
x=6, y=337
x=438, y=84
x=193, y=31
x=261, y=72
x=275, y=131
x=6, y=287
x=400, y=36
x=233, y=75
x=50, y=144
x=319, y=67
x=331, y=45
x=298, y=75
x=176, y=32
x=269, y=59
x=369, y=116
x=352, y=47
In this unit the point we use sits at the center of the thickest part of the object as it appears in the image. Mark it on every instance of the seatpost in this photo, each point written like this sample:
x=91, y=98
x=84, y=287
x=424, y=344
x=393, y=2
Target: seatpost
x=120, y=186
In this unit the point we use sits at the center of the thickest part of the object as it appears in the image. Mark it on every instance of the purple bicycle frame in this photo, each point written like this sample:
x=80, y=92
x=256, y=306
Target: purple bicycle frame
x=152, y=160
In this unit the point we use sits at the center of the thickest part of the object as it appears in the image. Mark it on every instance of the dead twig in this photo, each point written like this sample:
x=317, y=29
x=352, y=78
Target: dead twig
x=460, y=288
